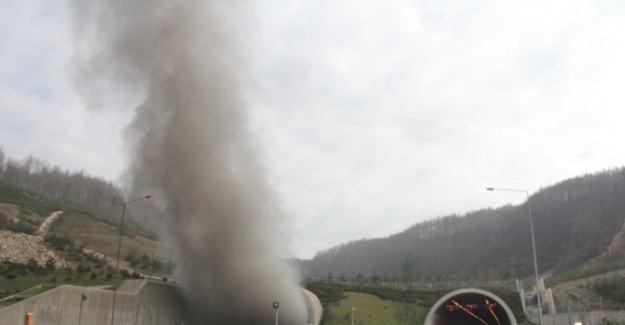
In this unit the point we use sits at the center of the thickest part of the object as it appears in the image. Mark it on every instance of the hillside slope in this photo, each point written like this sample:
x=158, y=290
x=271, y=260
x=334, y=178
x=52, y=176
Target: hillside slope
x=74, y=236
x=576, y=221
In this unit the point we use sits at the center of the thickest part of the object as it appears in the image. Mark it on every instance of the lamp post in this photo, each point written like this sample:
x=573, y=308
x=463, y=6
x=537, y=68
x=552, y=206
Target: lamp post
x=529, y=206
x=83, y=297
x=119, y=249
x=276, y=305
x=353, y=309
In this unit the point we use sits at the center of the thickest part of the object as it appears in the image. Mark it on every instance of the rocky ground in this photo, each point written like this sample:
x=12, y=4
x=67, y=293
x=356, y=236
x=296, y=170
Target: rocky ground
x=20, y=248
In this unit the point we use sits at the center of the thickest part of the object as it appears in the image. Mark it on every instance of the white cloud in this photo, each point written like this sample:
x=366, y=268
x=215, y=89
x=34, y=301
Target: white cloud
x=40, y=115
x=372, y=123
x=371, y=116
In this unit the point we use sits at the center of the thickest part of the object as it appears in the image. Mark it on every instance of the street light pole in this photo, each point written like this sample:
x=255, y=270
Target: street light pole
x=353, y=309
x=83, y=297
x=119, y=249
x=276, y=305
x=529, y=206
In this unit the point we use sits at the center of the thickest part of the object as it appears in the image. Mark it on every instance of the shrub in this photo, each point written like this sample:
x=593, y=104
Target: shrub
x=59, y=242
x=10, y=276
x=124, y=273
x=23, y=227
x=50, y=264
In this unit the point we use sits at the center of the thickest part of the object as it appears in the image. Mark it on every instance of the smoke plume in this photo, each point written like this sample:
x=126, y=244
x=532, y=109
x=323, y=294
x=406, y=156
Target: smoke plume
x=182, y=63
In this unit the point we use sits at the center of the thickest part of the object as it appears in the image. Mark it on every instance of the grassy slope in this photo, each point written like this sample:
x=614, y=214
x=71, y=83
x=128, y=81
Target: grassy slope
x=99, y=232
x=31, y=284
x=101, y=237
x=370, y=309
x=88, y=228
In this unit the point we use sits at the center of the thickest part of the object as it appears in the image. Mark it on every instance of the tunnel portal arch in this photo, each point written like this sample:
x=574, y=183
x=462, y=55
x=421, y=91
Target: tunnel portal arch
x=470, y=306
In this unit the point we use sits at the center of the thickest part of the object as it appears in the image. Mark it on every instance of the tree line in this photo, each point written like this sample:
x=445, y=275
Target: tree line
x=53, y=182
x=77, y=187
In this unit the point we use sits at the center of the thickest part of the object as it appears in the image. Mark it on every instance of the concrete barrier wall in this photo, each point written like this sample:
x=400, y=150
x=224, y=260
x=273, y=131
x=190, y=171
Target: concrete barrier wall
x=587, y=318
x=137, y=302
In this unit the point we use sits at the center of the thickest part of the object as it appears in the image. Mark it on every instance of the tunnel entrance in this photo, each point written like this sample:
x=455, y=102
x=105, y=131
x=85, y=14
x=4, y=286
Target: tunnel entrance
x=470, y=307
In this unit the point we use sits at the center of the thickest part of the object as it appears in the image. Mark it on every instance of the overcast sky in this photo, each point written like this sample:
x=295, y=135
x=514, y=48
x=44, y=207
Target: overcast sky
x=370, y=116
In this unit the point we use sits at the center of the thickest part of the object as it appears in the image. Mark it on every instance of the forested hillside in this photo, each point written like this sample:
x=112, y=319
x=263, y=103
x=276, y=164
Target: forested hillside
x=576, y=220
x=57, y=224
x=53, y=182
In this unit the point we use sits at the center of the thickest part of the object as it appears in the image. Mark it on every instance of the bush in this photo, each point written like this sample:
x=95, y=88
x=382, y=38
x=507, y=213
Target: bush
x=32, y=265
x=607, y=321
x=612, y=288
x=23, y=227
x=10, y=276
x=59, y=243
x=124, y=273
x=50, y=264
x=83, y=268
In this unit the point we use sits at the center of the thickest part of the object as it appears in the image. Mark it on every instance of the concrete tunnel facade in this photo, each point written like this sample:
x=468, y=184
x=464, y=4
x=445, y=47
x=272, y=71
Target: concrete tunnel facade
x=470, y=306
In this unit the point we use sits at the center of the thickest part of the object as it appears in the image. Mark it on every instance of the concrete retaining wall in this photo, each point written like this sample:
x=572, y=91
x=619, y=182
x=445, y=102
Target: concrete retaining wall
x=587, y=318
x=137, y=302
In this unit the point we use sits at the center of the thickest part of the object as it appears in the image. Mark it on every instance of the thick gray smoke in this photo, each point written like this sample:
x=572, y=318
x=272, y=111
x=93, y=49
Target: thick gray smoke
x=181, y=62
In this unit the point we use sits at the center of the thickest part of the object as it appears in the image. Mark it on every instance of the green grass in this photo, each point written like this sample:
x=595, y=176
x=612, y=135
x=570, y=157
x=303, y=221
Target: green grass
x=370, y=309
x=35, y=290
x=94, y=234
x=378, y=305
x=24, y=282
x=583, y=272
x=27, y=285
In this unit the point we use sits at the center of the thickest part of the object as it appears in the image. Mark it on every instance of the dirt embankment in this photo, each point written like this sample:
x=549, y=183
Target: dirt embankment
x=20, y=248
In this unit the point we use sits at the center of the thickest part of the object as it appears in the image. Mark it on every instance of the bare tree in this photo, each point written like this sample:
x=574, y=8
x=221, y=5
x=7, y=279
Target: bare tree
x=2, y=157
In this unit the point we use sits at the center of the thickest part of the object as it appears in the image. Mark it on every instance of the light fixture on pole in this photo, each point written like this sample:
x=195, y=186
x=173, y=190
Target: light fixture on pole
x=276, y=305
x=529, y=206
x=119, y=248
